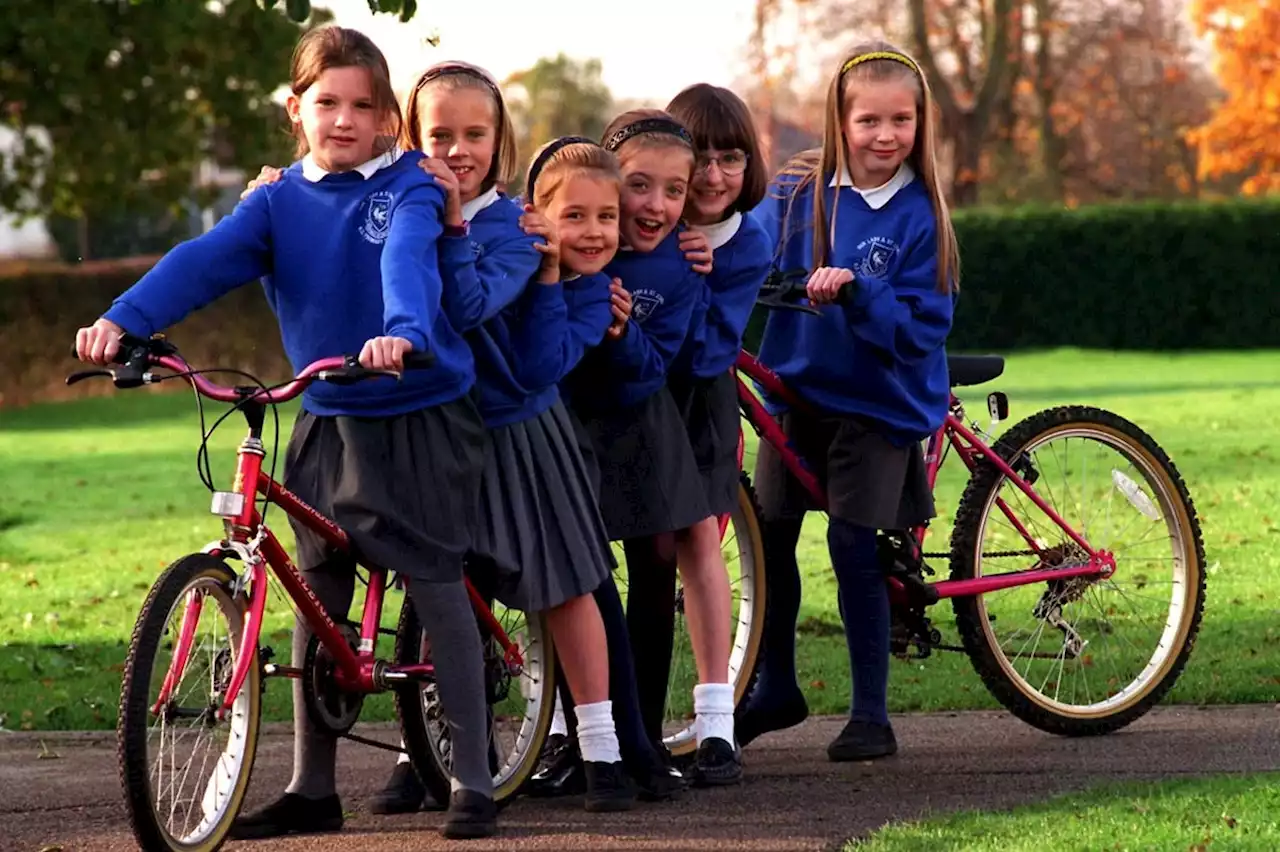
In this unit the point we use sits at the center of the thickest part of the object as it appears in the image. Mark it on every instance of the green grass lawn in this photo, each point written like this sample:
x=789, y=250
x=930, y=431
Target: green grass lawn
x=1224, y=812
x=99, y=495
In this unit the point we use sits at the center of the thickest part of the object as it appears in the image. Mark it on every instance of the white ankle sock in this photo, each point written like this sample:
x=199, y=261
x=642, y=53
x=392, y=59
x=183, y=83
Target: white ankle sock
x=713, y=708
x=558, y=724
x=597, y=738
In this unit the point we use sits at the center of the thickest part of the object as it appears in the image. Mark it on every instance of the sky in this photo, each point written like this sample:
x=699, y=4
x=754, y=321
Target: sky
x=649, y=56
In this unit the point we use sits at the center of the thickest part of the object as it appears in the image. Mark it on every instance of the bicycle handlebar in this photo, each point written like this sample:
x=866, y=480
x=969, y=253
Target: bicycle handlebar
x=136, y=356
x=788, y=290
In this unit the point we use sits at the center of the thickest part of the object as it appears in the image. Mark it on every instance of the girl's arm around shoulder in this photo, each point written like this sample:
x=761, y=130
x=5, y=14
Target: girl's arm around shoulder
x=234, y=252
x=477, y=290
x=904, y=313
x=411, y=285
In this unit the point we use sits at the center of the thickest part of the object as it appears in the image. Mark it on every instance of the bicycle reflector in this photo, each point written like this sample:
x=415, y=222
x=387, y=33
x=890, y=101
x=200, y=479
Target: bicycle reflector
x=227, y=504
x=998, y=406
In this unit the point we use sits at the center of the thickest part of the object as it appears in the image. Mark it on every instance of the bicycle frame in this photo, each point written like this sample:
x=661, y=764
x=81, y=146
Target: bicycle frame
x=971, y=449
x=257, y=546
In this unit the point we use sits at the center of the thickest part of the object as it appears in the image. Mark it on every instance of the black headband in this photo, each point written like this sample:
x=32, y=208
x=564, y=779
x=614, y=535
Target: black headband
x=648, y=125
x=546, y=154
x=448, y=68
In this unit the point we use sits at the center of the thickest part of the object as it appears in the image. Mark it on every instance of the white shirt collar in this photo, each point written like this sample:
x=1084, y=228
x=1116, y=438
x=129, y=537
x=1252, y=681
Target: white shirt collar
x=879, y=196
x=720, y=233
x=475, y=205
x=367, y=169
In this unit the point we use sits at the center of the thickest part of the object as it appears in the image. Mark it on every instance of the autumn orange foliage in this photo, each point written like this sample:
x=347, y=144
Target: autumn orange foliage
x=1243, y=136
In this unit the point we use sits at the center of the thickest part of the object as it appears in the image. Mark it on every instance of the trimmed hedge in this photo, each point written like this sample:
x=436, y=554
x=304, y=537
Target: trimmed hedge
x=1125, y=276
x=41, y=308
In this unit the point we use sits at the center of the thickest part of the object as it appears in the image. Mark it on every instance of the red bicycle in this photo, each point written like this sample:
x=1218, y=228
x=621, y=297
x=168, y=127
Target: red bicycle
x=1077, y=602
x=194, y=673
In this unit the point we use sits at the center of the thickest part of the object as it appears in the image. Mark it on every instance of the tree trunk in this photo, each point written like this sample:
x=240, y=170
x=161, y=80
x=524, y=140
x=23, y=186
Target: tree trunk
x=82, y=237
x=967, y=153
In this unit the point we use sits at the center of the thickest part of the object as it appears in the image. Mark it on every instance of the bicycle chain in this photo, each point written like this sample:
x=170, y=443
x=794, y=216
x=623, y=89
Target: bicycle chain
x=993, y=554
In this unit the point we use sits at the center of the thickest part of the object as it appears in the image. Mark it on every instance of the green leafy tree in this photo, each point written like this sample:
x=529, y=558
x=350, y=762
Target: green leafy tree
x=116, y=104
x=558, y=96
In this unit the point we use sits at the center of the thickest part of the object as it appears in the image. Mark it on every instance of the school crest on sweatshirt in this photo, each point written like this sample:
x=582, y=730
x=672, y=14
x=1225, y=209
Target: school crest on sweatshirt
x=878, y=255
x=377, y=217
x=644, y=303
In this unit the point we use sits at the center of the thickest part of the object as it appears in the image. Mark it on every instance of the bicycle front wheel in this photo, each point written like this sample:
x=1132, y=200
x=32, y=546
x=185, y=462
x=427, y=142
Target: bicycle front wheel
x=185, y=771
x=1087, y=655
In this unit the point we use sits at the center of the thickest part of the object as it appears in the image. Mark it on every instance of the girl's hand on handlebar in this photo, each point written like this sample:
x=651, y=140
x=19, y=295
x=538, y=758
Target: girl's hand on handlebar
x=825, y=283
x=385, y=353
x=98, y=343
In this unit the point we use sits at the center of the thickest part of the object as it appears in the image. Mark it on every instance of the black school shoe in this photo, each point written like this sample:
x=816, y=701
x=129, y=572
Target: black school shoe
x=289, y=814
x=717, y=764
x=470, y=815
x=404, y=794
x=862, y=741
x=559, y=771
x=659, y=783
x=609, y=788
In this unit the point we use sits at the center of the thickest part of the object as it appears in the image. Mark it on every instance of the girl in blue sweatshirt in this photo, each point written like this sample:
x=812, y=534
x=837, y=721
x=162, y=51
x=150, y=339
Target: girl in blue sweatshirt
x=573, y=188
x=865, y=214
x=346, y=241
x=541, y=543
x=650, y=487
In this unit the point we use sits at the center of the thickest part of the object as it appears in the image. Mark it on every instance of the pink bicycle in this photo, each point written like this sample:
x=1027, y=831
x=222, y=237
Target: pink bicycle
x=1077, y=567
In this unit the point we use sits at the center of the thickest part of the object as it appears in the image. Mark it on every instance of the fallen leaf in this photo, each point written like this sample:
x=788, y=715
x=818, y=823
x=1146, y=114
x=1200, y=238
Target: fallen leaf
x=817, y=684
x=1230, y=821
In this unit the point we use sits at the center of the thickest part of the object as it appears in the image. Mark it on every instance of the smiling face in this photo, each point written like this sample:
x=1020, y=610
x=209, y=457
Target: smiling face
x=338, y=117
x=585, y=213
x=655, y=182
x=879, y=129
x=716, y=185
x=460, y=127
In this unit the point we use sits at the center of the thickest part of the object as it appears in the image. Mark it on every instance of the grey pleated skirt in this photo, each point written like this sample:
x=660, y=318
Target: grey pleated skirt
x=404, y=488
x=539, y=529
x=649, y=481
x=709, y=409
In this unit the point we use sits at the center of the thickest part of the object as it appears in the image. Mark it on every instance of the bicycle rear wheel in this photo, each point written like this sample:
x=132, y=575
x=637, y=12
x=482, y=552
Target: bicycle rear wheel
x=1080, y=656
x=180, y=803
x=520, y=704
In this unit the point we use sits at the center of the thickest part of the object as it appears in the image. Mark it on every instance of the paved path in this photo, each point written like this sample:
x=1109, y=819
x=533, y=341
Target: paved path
x=793, y=799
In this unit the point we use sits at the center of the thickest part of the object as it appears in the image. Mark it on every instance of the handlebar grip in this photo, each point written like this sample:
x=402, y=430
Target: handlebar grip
x=416, y=360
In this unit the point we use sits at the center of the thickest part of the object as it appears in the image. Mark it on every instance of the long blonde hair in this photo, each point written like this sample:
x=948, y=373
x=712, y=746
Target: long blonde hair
x=874, y=61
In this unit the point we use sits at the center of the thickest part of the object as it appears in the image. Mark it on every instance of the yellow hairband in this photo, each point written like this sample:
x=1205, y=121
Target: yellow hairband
x=880, y=54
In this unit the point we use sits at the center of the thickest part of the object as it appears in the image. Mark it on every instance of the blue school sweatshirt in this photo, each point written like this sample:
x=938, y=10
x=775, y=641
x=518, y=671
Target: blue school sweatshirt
x=557, y=325
x=668, y=300
x=743, y=255
x=882, y=354
x=484, y=275
x=343, y=258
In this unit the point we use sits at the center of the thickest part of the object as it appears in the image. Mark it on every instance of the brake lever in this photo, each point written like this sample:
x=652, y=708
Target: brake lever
x=88, y=374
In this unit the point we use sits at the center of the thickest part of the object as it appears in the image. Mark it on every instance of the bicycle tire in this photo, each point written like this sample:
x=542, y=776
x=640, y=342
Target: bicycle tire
x=973, y=623
x=131, y=727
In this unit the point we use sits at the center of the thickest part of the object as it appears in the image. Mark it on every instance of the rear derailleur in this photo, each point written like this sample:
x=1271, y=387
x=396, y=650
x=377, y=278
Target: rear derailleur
x=900, y=558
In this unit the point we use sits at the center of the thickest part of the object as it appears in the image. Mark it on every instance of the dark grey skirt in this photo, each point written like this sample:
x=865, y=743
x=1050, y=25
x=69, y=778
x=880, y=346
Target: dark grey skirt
x=649, y=481
x=540, y=530
x=869, y=481
x=709, y=409
x=404, y=488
